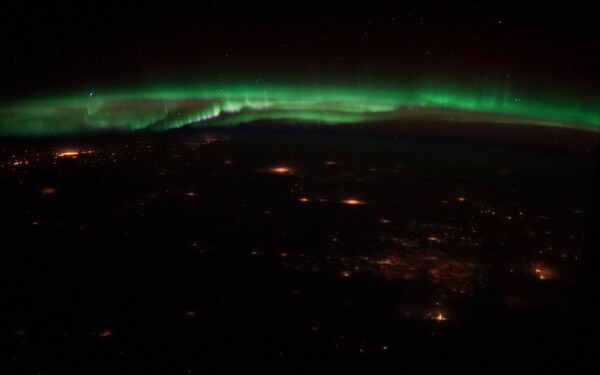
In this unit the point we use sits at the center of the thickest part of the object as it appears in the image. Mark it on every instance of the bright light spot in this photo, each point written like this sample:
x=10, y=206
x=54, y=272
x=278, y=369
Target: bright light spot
x=544, y=273
x=461, y=199
x=281, y=170
x=346, y=274
x=304, y=200
x=72, y=153
x=190, y=194
x=353, y=202
x=65, y=154
x=439, y=317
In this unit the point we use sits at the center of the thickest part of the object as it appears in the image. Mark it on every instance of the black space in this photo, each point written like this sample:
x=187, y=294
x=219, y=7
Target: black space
x=79, y=45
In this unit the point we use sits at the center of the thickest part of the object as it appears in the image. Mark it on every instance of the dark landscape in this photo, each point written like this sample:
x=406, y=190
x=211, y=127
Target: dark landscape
x=256, y=249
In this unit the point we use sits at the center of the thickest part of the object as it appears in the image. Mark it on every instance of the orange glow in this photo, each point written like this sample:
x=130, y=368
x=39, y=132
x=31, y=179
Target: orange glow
x=72, y=153
x=353, y=202
x=190, y=194
x=48, y=191
x=439, y=317
x=384, y=221
x=283, y=254
x=105, y=333
x=65, y=154
x=346, y=274
x=461, y=199
x=304, y=199
x=544, y=273
x=282, y=170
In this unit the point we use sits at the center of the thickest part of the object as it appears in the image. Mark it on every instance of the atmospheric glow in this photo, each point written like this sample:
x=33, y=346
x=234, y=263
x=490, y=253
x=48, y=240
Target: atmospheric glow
x=157, y=109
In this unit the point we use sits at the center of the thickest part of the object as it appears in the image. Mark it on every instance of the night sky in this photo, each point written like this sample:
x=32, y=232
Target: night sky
x=345, y=185
x=56, y=47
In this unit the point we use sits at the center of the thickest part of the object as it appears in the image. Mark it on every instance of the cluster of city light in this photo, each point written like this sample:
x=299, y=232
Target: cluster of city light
x=72, y=153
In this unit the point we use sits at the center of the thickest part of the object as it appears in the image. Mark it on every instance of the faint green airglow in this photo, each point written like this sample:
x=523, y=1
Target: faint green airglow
x=162, y=108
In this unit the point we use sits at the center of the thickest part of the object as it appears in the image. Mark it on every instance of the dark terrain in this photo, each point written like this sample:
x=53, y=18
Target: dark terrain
x=290, y=250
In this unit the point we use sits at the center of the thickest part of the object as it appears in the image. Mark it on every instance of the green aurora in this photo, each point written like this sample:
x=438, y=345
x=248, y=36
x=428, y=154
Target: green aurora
x=162, y=108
